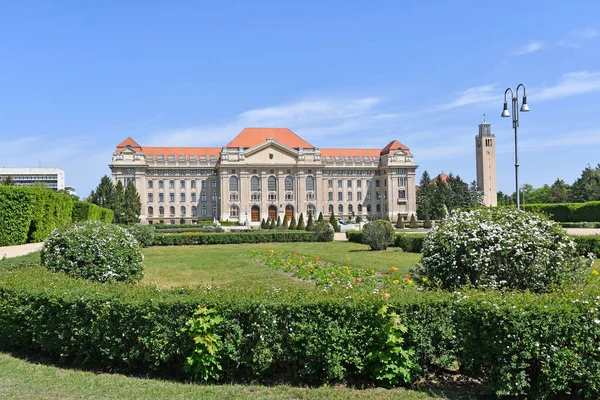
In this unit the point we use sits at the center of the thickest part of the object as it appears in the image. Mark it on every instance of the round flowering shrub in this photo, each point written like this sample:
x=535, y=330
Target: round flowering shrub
x=324, y=231
x=378, y=234
x=144, y=234
x=94, y=250
x=500, y=248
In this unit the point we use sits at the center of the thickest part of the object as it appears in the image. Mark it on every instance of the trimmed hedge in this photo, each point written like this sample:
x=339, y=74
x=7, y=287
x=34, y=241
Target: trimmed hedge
x=190, y=228
x=568, y=212
x=231, y=238
x=409, y=242
x=84, y=211
x=29, y=214
x=519, y=344
x=594, y=225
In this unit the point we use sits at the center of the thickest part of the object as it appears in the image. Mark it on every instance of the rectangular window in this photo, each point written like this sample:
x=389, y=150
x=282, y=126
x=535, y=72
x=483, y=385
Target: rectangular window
x=349, y=172
x=378, y=195
x=213, y=196
x=213, y=183
x=161, y=157
x=349, y=183
x=161, y=197
x=171, y=184
x=194, y=197
x=203, y=158
x=161, y=172
x=340, y=196
x=150, y=157
x=213, y=158
x=358, y=196
x=192, y=157
x=401, y=181
x=182, y=197
x=181, y=184
x=347, y=159
x=330, y=196
x=214, y=210
x=338, y=158
x=401, y=171
x=171, y=157
x=377, y=183
x=289, y=196
x=203, y=184
x=402, y=194
x=194, y=172
x=193, y=184
x=368, y=196
x=203, y=197
x=340, y=183
x=272, y=197
x=349, y=196
x=330, y=183
x=203, y=210
x=328, y=158
x=150, y=184
x=359, y=183
x=171, y=197
x=150, y=197
x=171, y=172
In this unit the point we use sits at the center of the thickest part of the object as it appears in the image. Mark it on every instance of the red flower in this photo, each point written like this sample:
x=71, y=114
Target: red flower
x=357, y=280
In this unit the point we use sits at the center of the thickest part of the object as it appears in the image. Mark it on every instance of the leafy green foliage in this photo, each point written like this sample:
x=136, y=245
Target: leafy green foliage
x=393, y=365
x=568, y=212
x=272, y=224
x=131, y=205
x=310, y=223
x=293, y=225
x=284, y=224
x=301, y=226
x=411, y=243
x=334, y=223
x=94, y=250
x=144, y=234
x=427, y=222
x=399, y=222
x=231, y=238
x=500, y=248
x=83, y=211
x=203, y=363
x=320, y=218
x=437, y=196
x=413, y=222
x=324, y=232
x=378, y=234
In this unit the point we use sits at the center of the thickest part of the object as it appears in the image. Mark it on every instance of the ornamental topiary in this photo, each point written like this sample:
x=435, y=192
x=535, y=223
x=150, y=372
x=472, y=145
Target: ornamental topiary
x=413, y=222
x=144, y=234
x=378, y=234
x=310, y=226
x=324, y=231
x=500, y=248
x=94, y=250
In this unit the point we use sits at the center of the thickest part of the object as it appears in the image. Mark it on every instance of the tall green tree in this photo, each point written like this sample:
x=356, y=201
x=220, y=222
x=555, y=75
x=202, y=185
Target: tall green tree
x=119, y=203
x=104, y=195
x=587, y=186
x=132, y=206
x=559, y=192
x=424, y=195
x=539, y=195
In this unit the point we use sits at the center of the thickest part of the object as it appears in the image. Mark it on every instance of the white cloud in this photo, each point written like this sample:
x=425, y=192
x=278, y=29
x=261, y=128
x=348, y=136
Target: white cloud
x=571, y=84
x=575, y=38
x=585, y=33
x=474, y=95
x=530, y=47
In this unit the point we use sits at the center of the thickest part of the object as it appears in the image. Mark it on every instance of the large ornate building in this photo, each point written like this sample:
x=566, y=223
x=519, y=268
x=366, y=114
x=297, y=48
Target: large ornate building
x=267, y=172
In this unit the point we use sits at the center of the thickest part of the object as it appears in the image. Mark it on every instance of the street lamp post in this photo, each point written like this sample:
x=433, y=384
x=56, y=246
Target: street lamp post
x=515, y=119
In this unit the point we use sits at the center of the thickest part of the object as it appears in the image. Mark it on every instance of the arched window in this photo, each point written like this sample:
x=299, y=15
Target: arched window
x=161, y=210
x=233, y=184
x=272, y=184
x=172, y=210
x=289, y=183
x=182, y=210
x=254, y=184
x=194, y=211
x=369, y=208
x=360, y=208
x=310, y=209
x=330, y=208
x=350, y=209
x=378, y=207
x=234, y=211
x=310, y=184
x=340, y=209
x=150, y=211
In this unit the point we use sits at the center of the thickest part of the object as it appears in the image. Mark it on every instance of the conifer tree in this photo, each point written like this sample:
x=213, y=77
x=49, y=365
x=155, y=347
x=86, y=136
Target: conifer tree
x=400, y=222
x=320, y=219
x=301, y=226
x=427, y=222
x=284, y=224
x=309, y=224
x=334, y=223
x=292, y=226
x=132, y=206
x=272, y=225
x=119, y=203
x=413, y=222
x=262, y=224
x=278, y=222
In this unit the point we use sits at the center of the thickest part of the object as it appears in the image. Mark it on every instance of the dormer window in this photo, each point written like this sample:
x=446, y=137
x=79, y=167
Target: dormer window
x=356, y=158
x=366, y=158
x=161, y=157
x=328, y=158
x=171, y=157
x=213, y=158
x=347, y=159
x=202, y=158
x=181, y=157
x=192, y=157
x=150, y=157
x=375, y=158
x=338, y=158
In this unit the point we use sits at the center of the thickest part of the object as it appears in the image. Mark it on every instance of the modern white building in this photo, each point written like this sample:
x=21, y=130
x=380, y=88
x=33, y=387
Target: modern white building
x=53, y=177
x=267, y=172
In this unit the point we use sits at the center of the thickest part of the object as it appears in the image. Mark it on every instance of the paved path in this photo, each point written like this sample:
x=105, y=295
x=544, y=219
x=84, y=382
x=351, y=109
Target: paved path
x=583, y=231
x=16, y=251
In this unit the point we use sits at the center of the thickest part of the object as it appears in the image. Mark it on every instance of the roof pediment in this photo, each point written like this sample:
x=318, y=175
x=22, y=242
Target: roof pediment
x=393, y=147
x=129, y=143
x=250, y=137
x=271, y=144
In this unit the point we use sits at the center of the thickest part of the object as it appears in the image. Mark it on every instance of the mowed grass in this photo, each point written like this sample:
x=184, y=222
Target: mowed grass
x=231, y=265
x=20, y=379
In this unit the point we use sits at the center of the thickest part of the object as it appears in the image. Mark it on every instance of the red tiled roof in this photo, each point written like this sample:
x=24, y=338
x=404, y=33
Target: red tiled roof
x=441, y=176
x=186, y=151
x=350, y=152
x=393, y=146
x=250, y=137
x=129, y=142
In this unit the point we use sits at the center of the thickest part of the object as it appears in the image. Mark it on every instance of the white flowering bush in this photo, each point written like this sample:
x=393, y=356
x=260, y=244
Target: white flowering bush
x=144, y=234
x=94, y=250
x=500, y=248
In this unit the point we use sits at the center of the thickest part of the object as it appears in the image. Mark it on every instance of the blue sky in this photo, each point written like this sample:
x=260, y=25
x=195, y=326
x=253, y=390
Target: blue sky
x=78, y=77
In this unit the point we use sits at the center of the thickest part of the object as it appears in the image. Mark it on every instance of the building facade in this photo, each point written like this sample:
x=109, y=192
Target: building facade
x=53, y=177
x=485, y=156
x=267, y=173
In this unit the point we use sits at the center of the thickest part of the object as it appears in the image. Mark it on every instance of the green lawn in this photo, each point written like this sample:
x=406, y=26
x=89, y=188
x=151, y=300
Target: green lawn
x=231, y=264
x=21, y=379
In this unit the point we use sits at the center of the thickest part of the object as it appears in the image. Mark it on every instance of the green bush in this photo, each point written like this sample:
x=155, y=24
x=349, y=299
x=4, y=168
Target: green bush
x=378, y=234
x=587, y=244
x=301, y=226
x=568, y=212
x=16, y=208
x=410, y=243
x=310, y=225
x=94, y=250
x=413, y=222
x=354, y=236
x=144, y=234
x=107, y=215
x=196, y=229
x=334, y=223
x=399, y=222
x=231, y=238
x=594, y=225
x=84, y=211
x=324, y=232
x=499, y=248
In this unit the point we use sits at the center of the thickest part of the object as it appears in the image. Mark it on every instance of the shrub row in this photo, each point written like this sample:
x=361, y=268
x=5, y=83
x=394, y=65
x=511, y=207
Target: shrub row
x=231, y=238
x=519, y=344
x=568, y=212
x=84, y=211
x=207, y=223
x=409, y=242
x=594, y=225
x=190, y=228
x=29, y=214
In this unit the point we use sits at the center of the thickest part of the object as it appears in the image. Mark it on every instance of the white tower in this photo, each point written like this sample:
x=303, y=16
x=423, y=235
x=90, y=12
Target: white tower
x=485, y=152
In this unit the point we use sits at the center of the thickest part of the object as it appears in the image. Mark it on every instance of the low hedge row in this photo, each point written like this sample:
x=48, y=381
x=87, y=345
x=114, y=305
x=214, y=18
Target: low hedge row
x=594, y=225
x=568, y=212
x=519, y=344
x=84, y=211
x=232, y=238
x=409, y=242
x=189, y=228
x=207, y=223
